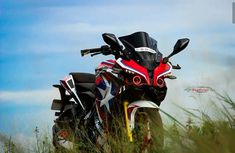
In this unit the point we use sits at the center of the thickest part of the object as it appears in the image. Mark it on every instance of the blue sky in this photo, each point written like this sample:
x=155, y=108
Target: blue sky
x=40, y=43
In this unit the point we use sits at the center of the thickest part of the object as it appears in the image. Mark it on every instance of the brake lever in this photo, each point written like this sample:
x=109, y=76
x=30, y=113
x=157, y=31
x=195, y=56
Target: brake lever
x=177, y=67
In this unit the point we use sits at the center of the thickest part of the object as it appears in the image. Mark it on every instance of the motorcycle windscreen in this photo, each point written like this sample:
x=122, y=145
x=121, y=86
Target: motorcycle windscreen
x=142, y=49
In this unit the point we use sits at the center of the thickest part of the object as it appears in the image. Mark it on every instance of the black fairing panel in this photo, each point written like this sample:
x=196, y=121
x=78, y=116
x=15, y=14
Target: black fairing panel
x=142, y=39
x=156, y=95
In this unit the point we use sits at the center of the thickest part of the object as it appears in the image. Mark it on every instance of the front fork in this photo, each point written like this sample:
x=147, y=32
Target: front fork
x=130, y=111
x=129, y=132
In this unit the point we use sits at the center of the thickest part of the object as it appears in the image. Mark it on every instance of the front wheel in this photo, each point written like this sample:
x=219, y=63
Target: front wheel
x=148, y=131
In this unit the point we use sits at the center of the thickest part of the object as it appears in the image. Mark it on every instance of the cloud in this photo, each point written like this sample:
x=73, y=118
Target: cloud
x=66, y=28
x=182, y=13
x=80, y=26
x=29, y=96
x=57, y=28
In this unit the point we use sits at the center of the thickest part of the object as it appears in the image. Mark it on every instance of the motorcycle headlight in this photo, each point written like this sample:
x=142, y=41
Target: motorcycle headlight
x=160, y=82
x=136, y=80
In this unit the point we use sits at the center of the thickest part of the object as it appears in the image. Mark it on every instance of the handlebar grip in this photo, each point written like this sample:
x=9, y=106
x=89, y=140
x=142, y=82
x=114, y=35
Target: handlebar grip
x=85, y=52
x=88, y=51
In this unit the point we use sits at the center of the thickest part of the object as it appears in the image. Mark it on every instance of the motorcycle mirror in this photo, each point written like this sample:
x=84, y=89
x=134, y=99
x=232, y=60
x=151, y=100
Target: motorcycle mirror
x=111, y=40
x=180, y=45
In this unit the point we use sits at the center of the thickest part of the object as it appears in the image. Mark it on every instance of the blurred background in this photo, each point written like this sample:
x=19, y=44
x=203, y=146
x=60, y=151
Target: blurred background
x=40, y=43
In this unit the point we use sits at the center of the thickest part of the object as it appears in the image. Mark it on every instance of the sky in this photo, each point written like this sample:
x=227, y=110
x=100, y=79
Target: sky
x=40, y=43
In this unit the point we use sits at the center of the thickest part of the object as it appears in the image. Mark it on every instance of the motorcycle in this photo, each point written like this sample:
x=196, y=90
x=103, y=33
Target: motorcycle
x=129, y=88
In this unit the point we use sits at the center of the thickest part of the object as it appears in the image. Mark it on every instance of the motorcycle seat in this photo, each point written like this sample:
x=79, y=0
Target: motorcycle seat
x=84, y=81
x=83, y=77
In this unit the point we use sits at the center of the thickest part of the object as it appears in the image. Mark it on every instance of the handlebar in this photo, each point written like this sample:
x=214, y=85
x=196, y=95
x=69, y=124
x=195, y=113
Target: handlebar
x=106, y=50
x=89, y=51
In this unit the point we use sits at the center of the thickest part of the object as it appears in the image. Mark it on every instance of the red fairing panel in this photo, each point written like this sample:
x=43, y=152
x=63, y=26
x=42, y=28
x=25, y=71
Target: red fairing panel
x=133, y=66
x=108, y=63
x=161, y=70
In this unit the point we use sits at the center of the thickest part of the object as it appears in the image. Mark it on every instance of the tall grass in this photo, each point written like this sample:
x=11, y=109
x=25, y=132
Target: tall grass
x=9, y=146
x=210, y=135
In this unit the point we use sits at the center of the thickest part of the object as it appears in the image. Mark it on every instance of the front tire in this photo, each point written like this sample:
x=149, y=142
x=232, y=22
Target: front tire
x=148, y=132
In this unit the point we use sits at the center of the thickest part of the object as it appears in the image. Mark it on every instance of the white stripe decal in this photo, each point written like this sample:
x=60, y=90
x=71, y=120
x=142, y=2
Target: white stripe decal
x=108, y=62
x=166, y=71
x=129, y=68
x=145, y=49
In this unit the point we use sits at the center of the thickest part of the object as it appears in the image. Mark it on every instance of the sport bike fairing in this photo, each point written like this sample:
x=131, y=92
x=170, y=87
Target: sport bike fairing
x=107, y=90
x=159, y=71
x=145, y=61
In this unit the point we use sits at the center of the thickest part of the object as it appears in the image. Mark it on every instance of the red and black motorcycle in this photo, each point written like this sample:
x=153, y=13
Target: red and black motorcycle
x=129, y=88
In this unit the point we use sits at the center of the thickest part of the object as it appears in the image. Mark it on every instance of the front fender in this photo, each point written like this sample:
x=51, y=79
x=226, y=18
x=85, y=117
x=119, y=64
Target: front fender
x=134, y=106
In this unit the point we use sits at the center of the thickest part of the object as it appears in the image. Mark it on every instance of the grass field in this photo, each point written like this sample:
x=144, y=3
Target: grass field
x=200, y=134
